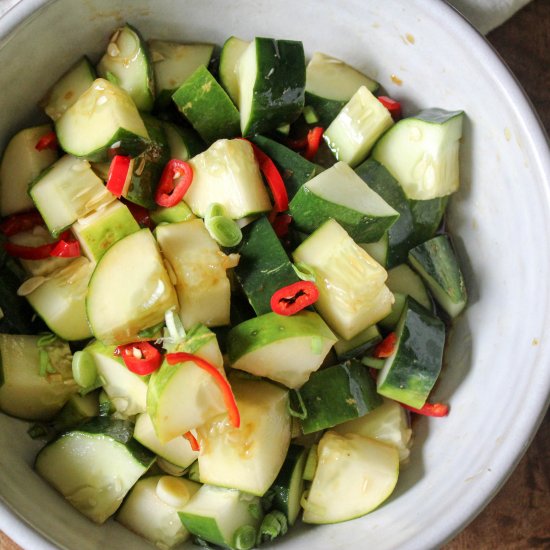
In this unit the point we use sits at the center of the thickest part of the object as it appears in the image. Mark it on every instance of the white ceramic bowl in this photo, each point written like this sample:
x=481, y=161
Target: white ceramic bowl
x=496, y=378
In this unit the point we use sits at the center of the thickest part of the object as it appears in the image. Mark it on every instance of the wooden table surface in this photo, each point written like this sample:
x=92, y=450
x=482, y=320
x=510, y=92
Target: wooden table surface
x=519, y=516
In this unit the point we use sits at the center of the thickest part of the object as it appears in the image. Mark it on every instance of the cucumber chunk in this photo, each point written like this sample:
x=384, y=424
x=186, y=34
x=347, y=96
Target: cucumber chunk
x=199, y=266
x=103, y=122
x=60, y=299
x=354, y=476
x=410, y=373
x=403, y=282
x=336, y=394
x=284, y=349
x=288, y=488
x=70, y=86
x=151, y=509
x=357, y=127
x=177, y=451
x=22, y=164
x=271, y=77
x=436, y=263
x=126, y=63
x=126, y=391
x=250, y=457
x=422, y=153
x=182, y=397
x=227, y=173
x=330, y=84
x=130, y=290
x=203, y=101
x=352, y=293
x=224, y=517
x=29, y=388
x=68, y=190
x=264, y=266
x=388, y=424
x=98, y=231
x=173, y=64
x=339, y=193
x=418, y=219
x=231, y=53
x=95, y=465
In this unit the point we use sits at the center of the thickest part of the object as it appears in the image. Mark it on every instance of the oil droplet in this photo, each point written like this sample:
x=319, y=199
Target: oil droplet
x=410, y=38
x=396, y=80
x=535, y=342
x=507, y=134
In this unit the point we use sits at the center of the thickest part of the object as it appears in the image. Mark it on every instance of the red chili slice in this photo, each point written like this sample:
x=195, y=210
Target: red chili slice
x=118, y=175
x=223, y=384
x=140, y=357
x=66, y=249
x=47, y=141
x=394, y=107
x=29, y=252
x=176, y=178
x=192, y=441
x=293, y=298
x=314, y=137
x=429, y=409
x=16, y=223
x=273, y=178
x=386, y=347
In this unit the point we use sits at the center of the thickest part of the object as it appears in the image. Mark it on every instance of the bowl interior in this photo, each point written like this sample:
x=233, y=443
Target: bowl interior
x=495, y=379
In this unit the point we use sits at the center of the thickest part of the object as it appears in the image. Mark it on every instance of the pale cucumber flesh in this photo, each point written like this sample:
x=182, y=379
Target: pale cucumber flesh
x=130, y=290
x=331, y=78
x=422, y=153
x=354, y=475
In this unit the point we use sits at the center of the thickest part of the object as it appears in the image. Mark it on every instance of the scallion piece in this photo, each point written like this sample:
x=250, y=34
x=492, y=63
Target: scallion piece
x=84, y=369
x=244, y=538
x=224, y=230
x=273, y=525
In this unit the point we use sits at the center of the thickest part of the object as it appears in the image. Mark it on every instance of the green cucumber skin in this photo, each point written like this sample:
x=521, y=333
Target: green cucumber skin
x=309, y=211
x=418, y=219
x=326, y=109
x=247, y=337
x=122, y=142
x=282, y=486
x=119, y=430
x=294, y=168
x=437, y=116
x=418, y=357
x=278, y=96
x=143, y=185
x=207, y=107
x=150, y=99
x=204, y=527
x=438, y=261
x=337, y=394
x=264, y=266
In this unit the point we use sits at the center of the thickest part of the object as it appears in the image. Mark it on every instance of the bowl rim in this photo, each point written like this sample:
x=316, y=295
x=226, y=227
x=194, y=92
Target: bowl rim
x=21, y=532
